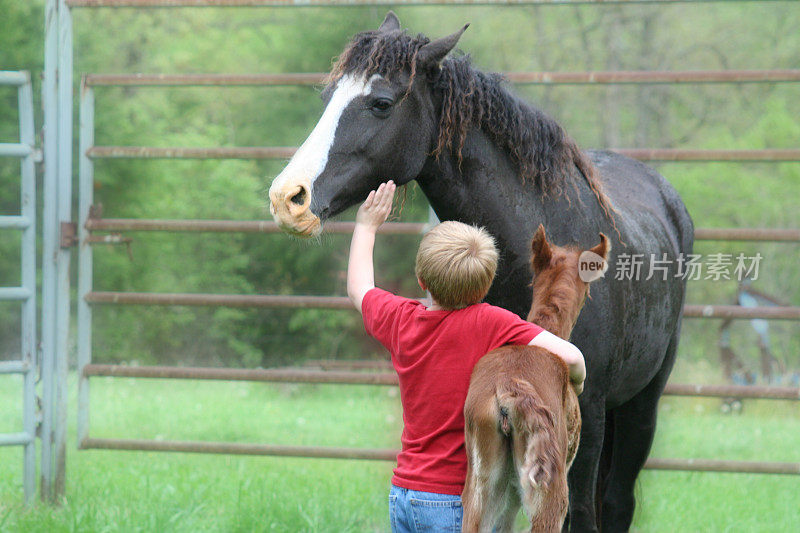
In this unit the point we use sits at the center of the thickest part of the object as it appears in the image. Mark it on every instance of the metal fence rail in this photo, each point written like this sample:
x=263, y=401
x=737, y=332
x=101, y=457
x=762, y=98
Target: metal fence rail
x=349, y=377
x=378, y=454
x=342, y=302
x=283, y=375
x=239, y=226
x=285, y=152
x=353, y=3
x=389, y=228
x=521, y=78
x=26, y=293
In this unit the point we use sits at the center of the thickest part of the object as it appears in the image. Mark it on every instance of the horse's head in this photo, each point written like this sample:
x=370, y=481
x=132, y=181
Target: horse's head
x=379, y=124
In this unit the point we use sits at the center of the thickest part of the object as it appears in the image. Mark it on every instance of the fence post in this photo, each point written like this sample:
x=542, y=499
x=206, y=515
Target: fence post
x=86, y=194
x=49, y=243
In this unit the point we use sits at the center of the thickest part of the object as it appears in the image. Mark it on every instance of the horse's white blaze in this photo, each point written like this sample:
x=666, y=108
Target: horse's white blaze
x=310, y=159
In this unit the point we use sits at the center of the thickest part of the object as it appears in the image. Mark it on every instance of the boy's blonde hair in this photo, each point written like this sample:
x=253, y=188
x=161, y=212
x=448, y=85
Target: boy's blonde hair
x=457, y=263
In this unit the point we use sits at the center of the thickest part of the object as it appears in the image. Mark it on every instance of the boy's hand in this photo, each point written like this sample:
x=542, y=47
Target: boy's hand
x=376, y=208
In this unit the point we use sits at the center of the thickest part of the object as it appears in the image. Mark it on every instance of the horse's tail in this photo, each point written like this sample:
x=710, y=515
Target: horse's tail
x=525, y=418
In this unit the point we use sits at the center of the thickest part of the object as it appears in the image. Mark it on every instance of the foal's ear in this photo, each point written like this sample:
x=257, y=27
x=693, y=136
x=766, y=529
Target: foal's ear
x=390, y=23
x=434, y=52
x=540, y=250
x=604, y=248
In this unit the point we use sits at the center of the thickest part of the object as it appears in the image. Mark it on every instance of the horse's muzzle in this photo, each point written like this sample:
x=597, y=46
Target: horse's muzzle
x=290, y=206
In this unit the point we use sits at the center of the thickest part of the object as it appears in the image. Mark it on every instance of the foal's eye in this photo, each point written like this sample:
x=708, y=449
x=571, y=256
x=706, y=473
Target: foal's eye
x=381, y=107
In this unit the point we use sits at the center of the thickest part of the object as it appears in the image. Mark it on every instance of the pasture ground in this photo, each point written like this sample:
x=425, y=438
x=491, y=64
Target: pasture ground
x=134, y=491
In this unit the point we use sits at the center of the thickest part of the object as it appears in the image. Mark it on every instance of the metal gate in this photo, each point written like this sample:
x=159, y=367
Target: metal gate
x=25, y=222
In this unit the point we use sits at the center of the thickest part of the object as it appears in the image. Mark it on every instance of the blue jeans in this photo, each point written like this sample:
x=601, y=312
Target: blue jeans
x=413, y=511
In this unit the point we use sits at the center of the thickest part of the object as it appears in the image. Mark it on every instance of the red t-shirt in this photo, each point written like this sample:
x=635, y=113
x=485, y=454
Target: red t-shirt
x=433, y=353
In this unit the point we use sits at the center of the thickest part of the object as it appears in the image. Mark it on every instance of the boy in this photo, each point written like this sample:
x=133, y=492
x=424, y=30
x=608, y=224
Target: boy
x=434, y=349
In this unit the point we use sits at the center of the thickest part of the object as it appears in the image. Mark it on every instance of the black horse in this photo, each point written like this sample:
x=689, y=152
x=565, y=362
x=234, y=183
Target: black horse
x=397, y=108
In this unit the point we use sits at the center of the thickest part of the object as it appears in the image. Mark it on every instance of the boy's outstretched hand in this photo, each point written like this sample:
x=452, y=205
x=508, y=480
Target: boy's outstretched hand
x=370, y=216
x=376, y=208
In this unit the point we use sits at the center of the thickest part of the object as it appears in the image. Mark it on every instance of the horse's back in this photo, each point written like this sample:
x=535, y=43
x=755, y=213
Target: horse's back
x=640, y=194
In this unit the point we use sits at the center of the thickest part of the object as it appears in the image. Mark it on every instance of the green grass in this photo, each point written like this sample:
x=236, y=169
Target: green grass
x=134, y=491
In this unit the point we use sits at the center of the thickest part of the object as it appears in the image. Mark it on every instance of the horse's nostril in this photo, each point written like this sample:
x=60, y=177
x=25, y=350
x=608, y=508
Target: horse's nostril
x=299, y=198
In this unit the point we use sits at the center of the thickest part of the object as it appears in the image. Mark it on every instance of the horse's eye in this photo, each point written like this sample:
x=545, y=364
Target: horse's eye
x=381, y=106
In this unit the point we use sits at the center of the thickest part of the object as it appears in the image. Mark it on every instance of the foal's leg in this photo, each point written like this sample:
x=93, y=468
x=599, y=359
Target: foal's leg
x=486, y=454
x=634, y=428
x=507, y=487
x=553, y=508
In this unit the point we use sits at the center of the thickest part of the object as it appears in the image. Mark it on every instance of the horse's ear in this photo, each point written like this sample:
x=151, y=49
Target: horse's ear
x=435, y=51
x=390, y=23
x=604, y=248
x=540, y=250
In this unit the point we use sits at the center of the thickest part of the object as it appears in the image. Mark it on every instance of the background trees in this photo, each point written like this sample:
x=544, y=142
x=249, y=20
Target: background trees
x=684, y=37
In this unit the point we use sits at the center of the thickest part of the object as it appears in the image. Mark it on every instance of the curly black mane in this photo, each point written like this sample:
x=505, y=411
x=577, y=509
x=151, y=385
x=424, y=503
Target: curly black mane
x=546, y=155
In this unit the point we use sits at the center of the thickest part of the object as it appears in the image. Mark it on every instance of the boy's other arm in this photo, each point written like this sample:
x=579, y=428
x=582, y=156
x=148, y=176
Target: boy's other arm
x=568, y=352
x=372, y=213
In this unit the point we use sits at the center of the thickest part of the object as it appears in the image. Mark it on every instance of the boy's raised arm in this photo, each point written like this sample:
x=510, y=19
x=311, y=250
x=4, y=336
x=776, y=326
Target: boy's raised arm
x=372, y=213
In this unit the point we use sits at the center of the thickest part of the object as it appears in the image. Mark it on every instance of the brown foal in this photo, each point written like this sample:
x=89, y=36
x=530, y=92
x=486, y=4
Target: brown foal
x=522, y=416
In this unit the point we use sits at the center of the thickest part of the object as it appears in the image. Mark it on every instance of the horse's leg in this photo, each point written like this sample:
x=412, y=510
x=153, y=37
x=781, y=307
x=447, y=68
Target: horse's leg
x=583, y=474
x=604, y=468
x=634, y=428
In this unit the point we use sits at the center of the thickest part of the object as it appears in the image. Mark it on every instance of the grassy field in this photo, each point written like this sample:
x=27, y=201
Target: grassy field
x=134, y=491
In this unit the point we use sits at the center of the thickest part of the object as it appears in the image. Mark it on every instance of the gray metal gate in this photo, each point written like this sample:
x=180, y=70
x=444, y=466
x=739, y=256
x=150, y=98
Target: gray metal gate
x=26, y=293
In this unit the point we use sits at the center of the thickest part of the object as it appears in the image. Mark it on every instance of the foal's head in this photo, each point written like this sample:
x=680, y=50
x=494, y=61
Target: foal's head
x=562, y=275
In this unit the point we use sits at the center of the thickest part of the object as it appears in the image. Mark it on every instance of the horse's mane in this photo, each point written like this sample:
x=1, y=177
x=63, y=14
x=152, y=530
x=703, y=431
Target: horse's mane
x=544, y=152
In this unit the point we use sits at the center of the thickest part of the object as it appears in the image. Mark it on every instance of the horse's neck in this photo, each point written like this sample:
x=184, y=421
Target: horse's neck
x=488, y=191
x=479, y=189
x=558, y=321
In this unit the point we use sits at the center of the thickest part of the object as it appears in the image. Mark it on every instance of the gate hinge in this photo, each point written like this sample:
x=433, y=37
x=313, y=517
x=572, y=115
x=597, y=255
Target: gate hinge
x=69, y=234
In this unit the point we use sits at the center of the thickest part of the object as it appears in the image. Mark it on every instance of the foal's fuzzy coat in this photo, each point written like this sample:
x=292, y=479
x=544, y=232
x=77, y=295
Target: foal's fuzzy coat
x=522, y=416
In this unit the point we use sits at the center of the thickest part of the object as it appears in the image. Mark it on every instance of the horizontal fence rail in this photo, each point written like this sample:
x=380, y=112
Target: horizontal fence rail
x=13, y=77
x=16, y=439
x=369, y=378
x=270, y=375
x=391, y=228
x=225, y=300
x=378, y=454
x=15, y=150
x=342, y=302
x=353, y=3
x=285, y=152
x=747, y=234
x=345, y=377
x=244, y=226
x=715, y=465
x=737, y=311
x=14, y=222
x=534, y=78
x=237, y=448
x=14, y=367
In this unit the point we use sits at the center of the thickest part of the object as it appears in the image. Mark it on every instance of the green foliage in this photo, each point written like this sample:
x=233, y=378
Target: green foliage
x=563, y=38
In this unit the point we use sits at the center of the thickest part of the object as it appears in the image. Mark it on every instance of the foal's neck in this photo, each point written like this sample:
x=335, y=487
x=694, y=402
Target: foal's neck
x=556, y=308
